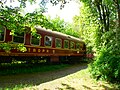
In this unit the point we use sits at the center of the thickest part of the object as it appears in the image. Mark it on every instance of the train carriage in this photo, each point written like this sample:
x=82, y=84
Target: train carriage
x=47, y=44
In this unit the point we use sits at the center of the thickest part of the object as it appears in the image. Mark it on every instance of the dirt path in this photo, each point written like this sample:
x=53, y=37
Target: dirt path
x=38, y=78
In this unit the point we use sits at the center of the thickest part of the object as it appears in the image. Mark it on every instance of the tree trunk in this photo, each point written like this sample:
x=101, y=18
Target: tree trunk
x=118, y=26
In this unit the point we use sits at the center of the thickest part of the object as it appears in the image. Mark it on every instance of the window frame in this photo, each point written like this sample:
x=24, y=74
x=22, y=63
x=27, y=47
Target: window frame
x=50, y=41
x=19, y=36
x=68, y=44
x=4, y=34
x=71, y=46
x=77, y=46
x=60, y=42
x=35, y=37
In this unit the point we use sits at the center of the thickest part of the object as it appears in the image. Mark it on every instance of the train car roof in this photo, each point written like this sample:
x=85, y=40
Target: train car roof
x=59, y=34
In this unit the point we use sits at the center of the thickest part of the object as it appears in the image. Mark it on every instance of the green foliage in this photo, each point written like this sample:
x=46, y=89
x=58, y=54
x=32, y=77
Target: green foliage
x=13, y=19
x=99, y=28
x=17, y=68
x=21, y=47
x=87, y=25
x=61, y=26
x=106, y=66
x=8, y=46
x=22, y=2
x=5, y=46
x=107, y=63
x=42, y=3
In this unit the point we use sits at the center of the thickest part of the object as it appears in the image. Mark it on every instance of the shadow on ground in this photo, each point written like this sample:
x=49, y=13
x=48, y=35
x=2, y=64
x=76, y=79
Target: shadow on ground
x=67, y=87
x=102, y=87
x=10, y=81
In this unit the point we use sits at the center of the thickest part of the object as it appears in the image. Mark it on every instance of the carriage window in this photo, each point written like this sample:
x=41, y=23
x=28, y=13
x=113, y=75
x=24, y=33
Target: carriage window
x=58, y=43
x=81, y=45
x=78, y=46
x=48, y=41
x=72, y=45
x=19, y=37
x=66, y=44
x=2, y=33
x=35, y=40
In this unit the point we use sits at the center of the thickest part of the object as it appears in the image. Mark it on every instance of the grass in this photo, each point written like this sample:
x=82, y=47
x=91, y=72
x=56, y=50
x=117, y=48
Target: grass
x=9, y=69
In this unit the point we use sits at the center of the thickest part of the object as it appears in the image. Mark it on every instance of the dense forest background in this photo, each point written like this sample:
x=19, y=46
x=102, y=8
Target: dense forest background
x=98, y=25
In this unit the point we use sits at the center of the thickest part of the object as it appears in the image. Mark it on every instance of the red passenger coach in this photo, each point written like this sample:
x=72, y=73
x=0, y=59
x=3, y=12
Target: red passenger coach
x=46, y=45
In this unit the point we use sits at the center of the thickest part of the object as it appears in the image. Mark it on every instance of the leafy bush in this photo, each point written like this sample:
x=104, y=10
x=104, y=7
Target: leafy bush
x=106, y=66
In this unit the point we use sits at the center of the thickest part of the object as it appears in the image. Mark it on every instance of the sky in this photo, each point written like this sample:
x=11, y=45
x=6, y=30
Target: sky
x=71, y=9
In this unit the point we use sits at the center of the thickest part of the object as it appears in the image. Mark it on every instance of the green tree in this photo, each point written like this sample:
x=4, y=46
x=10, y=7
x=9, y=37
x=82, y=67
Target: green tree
x=61, y=26
x=104, y=18
x=87, y=25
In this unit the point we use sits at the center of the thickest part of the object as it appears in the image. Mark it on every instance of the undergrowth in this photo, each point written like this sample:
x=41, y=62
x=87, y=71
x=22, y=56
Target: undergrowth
x=9, y=69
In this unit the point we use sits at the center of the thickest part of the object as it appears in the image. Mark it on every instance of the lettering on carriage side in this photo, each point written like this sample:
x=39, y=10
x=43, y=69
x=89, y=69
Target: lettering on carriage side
x=34, y=50
x=28, y=49
x=39, y=50
x=53, y=51
x=43, y=50
x=47, y=51
x=78, y=51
